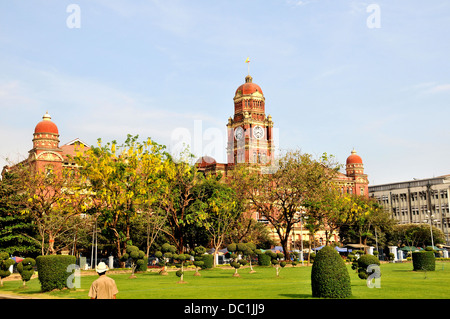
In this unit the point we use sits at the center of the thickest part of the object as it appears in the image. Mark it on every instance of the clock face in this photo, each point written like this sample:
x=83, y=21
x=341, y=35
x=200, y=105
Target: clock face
x=238, y=133
x=258, y=132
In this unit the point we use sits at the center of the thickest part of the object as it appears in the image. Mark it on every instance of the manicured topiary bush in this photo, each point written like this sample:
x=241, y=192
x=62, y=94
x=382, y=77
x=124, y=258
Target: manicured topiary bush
x=181, y=258
x=208, y=261
x=142, y=264
x=234, y=256
x=264, y=260
x=199, y=254
x=329, y=275
x=26, y=269
x=52, y=271
x=423, y=260
x=164, y=256
x=5, y=263
x=363, y=262
x=136, y=256
x=275, y=259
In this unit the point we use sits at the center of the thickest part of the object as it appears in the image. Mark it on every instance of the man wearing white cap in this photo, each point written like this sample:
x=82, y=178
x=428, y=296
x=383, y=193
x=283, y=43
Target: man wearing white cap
x=103, y=287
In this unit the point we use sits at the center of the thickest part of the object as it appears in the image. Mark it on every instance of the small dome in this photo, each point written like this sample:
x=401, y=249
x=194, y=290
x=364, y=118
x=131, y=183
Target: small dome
x=46, y=125
x=354, y=158
x=248, y=87
x=205, y=161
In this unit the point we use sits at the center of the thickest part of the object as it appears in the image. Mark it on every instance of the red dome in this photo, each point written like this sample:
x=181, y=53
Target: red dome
x=354, y=158
x=46, y=126
x=248, y=87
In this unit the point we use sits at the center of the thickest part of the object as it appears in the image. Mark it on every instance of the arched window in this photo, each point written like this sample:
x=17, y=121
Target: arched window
x=48, y=170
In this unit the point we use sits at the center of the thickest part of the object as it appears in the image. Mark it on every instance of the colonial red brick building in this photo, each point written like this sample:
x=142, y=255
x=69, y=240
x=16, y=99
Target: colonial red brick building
x=251, y=141
x=46, y=154
x=354, y=181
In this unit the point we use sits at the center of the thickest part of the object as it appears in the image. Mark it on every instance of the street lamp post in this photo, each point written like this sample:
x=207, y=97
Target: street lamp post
x=430, y=217
x=301, y=238
x=301, y=235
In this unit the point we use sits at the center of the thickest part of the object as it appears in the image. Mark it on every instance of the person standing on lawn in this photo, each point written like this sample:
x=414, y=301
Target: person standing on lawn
x=103, y=287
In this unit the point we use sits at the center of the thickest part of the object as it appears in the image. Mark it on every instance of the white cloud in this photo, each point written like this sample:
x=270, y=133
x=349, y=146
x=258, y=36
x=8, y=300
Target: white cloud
x=86, y=109
x=439, y=88
x=299, y=3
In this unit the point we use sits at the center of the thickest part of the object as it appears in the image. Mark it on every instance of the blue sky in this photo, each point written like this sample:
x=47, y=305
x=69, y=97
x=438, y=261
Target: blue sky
x=164, y=68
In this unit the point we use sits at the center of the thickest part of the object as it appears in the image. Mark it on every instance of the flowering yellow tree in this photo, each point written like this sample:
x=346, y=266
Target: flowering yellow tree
x=123, y=180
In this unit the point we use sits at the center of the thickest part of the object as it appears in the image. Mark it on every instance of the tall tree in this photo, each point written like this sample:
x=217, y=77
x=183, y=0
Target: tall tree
x=51, y=200
x=418, y=235
x=122, y=179
x=368, y=217
x=176, y=194
x=216, y=208
x=330, y=210
x=18, y=233
x=280, y=196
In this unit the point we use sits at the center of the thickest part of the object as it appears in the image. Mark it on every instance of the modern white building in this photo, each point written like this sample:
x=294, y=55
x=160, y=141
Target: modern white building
x=414, y=201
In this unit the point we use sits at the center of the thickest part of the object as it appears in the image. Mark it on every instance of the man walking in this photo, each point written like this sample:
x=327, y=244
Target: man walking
x=103, y=287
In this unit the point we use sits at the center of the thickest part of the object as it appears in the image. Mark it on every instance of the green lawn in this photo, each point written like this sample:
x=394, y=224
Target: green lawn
x=398, y=281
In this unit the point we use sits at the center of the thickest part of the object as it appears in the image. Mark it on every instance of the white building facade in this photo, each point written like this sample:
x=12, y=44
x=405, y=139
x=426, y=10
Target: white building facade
x=414, y=201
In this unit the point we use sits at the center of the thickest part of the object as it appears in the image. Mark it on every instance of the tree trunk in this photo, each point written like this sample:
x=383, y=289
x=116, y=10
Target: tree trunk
x=216, y=249
x=51, y=245
x=309, y=250
x=284, y=243
x=251, y=267
x=119, y=250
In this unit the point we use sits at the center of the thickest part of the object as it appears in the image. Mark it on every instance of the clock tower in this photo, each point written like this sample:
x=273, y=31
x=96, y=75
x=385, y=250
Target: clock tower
x=250, y=131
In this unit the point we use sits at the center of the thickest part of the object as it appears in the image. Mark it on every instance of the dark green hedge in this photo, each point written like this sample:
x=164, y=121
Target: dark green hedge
x=424, y=260
x=264, y=260
x=52, y=271
x=329, y=275
x=208, y=261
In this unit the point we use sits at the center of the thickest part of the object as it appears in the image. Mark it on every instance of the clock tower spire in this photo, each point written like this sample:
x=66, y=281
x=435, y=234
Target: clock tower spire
x=250, y=136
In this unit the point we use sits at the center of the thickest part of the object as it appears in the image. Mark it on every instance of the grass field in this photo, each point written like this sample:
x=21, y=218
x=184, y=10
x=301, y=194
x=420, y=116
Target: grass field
x=398, y=281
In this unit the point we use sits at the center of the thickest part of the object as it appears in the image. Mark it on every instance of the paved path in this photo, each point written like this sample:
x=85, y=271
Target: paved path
x=12, y=296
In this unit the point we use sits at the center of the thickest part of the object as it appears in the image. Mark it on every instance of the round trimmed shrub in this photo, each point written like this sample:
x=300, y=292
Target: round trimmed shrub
x=52, y=271
x=232, y=248
x=208, y=261
x=26, y=269
x=243, y=262
x=235, y=264
x=423, y=260
x=264, y=260
x=329, y=275
x=365, y=261
x=5, y=263
x=142, y=264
